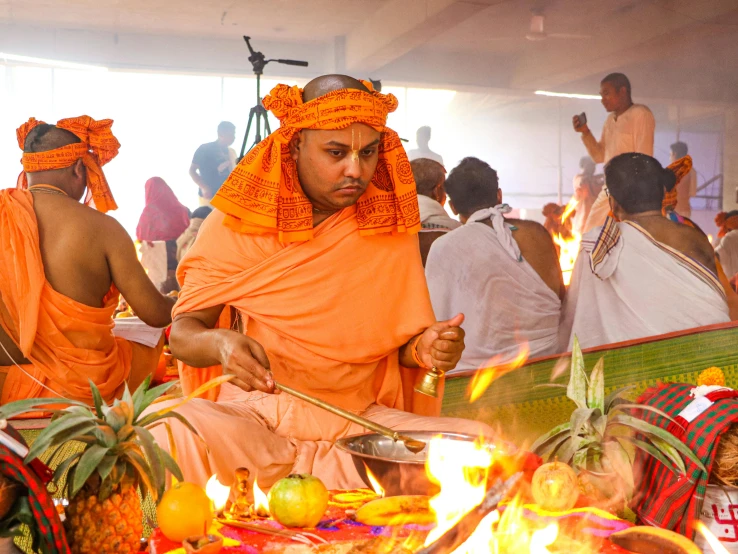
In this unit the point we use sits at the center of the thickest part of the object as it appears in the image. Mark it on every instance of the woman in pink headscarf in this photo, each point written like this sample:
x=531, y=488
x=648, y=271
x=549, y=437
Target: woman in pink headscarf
x=164, y=217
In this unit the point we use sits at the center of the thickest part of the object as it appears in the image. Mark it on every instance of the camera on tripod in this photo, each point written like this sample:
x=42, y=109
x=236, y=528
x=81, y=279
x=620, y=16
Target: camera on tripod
x=258, y=112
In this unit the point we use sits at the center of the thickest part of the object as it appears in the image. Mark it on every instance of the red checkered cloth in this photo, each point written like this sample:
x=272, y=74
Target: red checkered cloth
x=674, y=501
x=50, y=528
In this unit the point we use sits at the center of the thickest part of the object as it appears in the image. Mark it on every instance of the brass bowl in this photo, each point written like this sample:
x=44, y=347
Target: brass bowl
x=397, y=470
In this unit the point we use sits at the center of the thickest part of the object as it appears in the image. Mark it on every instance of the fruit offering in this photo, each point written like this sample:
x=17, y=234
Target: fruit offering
x=555, y=487
x=298, y=500
x=184, y=511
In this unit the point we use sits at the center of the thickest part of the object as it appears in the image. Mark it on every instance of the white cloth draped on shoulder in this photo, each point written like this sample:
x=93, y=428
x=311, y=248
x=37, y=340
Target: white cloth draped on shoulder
x=626, y=286
x=478, y=270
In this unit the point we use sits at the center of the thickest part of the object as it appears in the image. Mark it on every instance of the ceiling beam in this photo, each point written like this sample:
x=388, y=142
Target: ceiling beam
x=400, y=26
x=626, y=38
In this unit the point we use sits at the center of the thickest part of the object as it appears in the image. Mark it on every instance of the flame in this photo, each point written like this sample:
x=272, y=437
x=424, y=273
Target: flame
x=261, y=502
x=709, y=237
x=484, y=377
x=712, y=540
x=569, y=247
x=543, y=538
x=461, y=469
x=217, y=492
x=375, y=484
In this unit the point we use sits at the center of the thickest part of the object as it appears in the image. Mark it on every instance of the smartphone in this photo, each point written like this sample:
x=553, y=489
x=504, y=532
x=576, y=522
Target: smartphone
x=582, y=119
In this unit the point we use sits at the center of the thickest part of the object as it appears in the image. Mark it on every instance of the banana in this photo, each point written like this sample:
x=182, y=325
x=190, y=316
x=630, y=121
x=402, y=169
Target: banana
x=397, y=510
x=653, y=540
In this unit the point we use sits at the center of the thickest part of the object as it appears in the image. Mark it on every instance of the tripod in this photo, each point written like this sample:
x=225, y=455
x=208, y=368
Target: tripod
x=258, y=113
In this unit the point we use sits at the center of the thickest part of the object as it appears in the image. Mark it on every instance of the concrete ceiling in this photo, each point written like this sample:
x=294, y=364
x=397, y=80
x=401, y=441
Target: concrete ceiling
x=677, y=49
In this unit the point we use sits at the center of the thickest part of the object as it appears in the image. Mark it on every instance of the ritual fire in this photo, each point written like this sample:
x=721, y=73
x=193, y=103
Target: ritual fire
x=568, y=241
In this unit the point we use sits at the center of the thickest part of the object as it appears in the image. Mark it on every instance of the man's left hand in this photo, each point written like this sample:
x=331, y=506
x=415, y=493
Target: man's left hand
x=442, y=343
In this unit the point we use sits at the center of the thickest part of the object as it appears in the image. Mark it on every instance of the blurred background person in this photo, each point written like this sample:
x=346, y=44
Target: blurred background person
x=422, y=138
x=213, y=162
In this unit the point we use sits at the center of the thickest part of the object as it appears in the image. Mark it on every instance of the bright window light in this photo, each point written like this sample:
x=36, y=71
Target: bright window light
x=49, y=63
x=567, y=95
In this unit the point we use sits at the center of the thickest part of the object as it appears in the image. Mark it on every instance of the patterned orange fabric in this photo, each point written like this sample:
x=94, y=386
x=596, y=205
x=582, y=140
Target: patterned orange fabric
x=726, y=223
x=263, y=194
x=97, y=148
x=680, y=168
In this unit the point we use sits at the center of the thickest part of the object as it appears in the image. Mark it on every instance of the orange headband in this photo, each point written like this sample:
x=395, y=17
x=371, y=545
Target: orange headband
x=97, y=148
x=263, y=193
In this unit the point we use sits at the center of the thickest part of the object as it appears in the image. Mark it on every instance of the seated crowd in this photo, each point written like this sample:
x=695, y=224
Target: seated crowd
x=298, y=278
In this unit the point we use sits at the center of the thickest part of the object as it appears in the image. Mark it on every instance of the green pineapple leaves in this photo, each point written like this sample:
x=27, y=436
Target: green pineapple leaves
x=117, y=449
x=604, y=432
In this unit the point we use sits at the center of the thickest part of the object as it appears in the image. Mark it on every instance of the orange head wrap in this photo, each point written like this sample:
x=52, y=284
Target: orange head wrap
x=97, y=148
x=727, y=222
x=263, y=193
x=680, y=168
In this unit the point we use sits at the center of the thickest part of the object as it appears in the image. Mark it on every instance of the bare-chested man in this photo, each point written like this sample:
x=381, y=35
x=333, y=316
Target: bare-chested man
x=61, y=267
x=641, y=274
x=502, y=274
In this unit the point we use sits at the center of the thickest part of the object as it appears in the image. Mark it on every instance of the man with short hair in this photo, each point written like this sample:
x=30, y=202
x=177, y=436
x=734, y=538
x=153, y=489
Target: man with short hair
x=641, y=274
x=687, y=186
x=502, y=274
x=429, y=177
x=213, y=162
x=313, y=244
x=629, y=128
x=61, y=267
x=422, y=138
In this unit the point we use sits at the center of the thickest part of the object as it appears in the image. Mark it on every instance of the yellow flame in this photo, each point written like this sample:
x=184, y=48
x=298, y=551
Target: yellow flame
x=373, y=480
x=484, y=377
x=570, y=207
x=712, y=540
x=543, y=538
x=709, y=237
x=569, y=250
x=217, y=492
x=569, y=247
x=261, y=502
x=461, y=469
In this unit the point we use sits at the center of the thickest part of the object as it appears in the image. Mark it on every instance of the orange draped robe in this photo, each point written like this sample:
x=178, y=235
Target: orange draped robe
x=331, y=314
x=67, y=343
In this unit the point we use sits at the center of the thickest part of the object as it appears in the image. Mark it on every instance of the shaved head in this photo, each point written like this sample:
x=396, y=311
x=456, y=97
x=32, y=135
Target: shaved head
x=45, y=137
x=321, y=86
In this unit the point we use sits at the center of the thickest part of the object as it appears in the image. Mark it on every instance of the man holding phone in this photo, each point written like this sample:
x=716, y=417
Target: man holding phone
x=629, y=128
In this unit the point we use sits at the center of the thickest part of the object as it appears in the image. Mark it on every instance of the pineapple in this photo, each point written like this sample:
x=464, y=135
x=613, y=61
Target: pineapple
x=120, y=456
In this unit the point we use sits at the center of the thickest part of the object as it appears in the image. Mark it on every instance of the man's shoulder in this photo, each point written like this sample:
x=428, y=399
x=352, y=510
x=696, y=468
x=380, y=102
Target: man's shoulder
x=529, y=227
x=641, y=111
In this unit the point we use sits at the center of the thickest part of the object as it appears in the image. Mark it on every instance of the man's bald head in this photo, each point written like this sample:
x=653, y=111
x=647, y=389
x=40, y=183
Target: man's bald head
x=45, y=137
x=321, y=86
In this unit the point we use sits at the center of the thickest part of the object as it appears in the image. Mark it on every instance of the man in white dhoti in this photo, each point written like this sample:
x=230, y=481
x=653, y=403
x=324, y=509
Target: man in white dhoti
x=629, y=128
x=435, y=222
x=641, y=274
x=503, y=275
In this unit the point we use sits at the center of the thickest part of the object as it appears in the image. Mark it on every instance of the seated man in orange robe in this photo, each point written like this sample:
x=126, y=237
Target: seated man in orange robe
x=314, y=244
x=61, y=266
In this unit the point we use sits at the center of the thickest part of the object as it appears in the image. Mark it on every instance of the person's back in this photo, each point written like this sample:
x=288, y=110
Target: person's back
x=502, y=274
x=645, y=275
x=85, y=258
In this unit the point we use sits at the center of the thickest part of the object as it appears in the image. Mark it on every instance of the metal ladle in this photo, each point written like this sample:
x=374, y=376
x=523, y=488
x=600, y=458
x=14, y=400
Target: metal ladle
x=410, y=443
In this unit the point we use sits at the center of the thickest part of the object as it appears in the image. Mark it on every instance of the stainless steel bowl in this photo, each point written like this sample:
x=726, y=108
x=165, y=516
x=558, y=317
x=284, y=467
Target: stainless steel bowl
x=398, y=470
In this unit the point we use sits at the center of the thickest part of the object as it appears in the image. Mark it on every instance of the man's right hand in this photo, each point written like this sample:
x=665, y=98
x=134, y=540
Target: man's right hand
x=578, y=126
x=246, y=359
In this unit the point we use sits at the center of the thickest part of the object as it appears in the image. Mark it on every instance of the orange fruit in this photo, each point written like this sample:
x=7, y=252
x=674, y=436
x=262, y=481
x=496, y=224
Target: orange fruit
x=184, y=511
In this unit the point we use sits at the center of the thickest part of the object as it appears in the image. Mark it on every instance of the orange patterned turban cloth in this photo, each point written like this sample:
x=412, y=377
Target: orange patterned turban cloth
x=727, y=222
x=263, y=193
x=680, y=168
x=97, y=148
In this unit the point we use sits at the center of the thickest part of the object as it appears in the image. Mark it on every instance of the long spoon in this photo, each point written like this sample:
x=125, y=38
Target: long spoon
x=413, y=445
